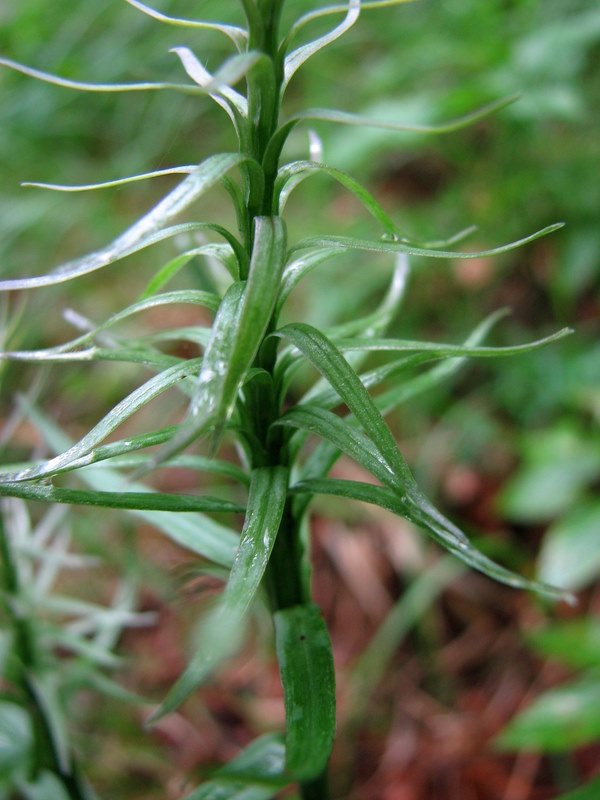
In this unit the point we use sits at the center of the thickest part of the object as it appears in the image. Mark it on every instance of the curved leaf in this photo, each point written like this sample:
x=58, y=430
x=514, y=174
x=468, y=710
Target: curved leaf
x=404, y=507
x=146, y=231
x=290, y=175
x=194, y=531
x=294, y=60
x=115, y=417
x=308, y=680
x=344, y=118
x=237, y=35
x=87, y=187
x=349, y=243
x=185, y=296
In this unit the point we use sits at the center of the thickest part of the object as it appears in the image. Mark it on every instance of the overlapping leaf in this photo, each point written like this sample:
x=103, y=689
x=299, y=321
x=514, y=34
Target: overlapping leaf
x=222, y=630
x=146, y=231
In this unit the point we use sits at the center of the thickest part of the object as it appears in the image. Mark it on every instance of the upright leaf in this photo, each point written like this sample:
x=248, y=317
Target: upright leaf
x=222, y=629
x=308, y=679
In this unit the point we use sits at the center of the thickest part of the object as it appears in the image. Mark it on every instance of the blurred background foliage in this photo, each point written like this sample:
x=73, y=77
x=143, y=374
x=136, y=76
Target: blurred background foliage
x=512, y=448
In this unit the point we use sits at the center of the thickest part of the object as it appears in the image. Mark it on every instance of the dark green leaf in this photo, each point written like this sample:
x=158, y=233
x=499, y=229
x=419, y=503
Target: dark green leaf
x=575, y=643
x=404, y=506
x=591, y=791
x=308, y=679
x=148, y=501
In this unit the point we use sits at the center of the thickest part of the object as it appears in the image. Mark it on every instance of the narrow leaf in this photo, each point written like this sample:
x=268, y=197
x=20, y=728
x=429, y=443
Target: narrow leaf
x=237, y=35
x=115, y=417
x=222, y=630
x=404, y=507
x=238, y=330
x=196, y=532
x=349, y=243
x=86, y=187
x=84, y=86
x=344, y=118
x=308, y=679
x=294, y=61
x=148, y=501
x=147, y=230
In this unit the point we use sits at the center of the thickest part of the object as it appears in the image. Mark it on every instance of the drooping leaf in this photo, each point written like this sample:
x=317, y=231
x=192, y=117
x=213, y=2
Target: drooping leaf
x=146, y=231
x=308, y=679
x=291, y=174
x=401, y=505
x=222, y=629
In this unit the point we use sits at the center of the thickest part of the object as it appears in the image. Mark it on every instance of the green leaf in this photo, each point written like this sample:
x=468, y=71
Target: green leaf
x=344, y=118
x=447, y=537
x=333, y=366
x=575, y=643
x=223, y=253
x=570, y=555
x=237, y=35
x=115, y=417
x=222, y=629
x=186, y=296
x=557, y=722
x=290, y=175
x=142, y=501
x=350, y=243
x=146, y=231
x=294, y=60
x=16, y=739
x=88, y=187
x=591, y=791
x=444, y=350
x=308, y=680
x=238, y=330
x=220, y=78
x=198, y=533
x=255, y=774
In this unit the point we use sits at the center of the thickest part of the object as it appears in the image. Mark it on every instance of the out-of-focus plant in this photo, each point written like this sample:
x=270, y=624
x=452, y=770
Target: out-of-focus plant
x=243, y=389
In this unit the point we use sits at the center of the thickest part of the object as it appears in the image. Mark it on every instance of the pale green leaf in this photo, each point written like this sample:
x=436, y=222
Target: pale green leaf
x=146, y=231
